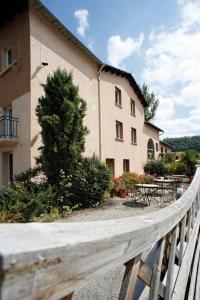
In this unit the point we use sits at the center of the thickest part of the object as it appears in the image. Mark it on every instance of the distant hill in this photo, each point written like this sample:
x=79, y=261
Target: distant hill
x=184, y=143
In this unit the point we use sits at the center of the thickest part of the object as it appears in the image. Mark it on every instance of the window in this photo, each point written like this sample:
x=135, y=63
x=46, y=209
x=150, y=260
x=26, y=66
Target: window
x=133, y=136
x=110, y=162
x=119, y=130
x=118, y=97
x=9, y=57
x=132, y=107
x=150, y=149
x=165, y=150
x=6, y=58
x=157, y=147
x=161, y=149
x=126, y=167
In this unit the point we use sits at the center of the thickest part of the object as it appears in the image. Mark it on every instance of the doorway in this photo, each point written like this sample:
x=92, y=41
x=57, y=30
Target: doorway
x=7, y=168
x=110, y=162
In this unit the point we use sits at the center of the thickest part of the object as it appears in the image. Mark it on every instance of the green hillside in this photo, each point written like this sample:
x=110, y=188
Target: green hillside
x=184, y=143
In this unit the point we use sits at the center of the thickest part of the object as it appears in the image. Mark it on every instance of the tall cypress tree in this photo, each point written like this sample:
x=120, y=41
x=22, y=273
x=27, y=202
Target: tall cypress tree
x=60, y=114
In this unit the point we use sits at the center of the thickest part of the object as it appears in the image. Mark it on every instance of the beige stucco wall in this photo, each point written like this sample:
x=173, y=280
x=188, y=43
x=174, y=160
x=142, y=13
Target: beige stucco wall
x=15, y=35
x=51, y=46
x=111, y=148
x=21, y=150
x=150, y=132
x=165, y=148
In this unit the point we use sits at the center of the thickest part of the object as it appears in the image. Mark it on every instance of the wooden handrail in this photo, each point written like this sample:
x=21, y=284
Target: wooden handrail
x=51, y=261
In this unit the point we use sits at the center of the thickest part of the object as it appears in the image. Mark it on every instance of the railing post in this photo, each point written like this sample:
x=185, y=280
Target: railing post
x=182, y=240
x=155, y=279
x=169, y=284
x=129, y=280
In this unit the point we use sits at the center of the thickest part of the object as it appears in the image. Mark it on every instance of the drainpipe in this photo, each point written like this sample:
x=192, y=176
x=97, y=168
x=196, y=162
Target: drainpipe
x=99, y=108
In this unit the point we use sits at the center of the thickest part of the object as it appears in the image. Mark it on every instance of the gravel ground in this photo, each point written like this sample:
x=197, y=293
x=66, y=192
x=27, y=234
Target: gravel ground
x=115, y=208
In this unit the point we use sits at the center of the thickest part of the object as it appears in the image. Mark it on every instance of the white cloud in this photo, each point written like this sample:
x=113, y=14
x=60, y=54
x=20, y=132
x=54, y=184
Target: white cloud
x=191, y=14
x=173, y=64
x=119, y=50
x=82, y=16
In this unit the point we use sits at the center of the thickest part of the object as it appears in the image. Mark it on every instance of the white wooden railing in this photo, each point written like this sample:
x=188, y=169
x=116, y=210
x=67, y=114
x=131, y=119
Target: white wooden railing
x=51, y=261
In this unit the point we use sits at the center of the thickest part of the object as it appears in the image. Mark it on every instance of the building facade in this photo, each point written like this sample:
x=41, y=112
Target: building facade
x=33, y=45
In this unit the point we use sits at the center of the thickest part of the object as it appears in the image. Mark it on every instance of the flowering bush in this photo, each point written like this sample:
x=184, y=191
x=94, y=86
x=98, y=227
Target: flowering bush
x=119, y=188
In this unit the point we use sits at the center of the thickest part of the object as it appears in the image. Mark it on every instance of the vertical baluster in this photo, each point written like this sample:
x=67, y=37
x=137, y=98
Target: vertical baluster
x=68, y=297
x=155, y=279
x=129, y=280
x=168, y=291
x=182, y=240
x=194, y=271
x=193, y=214
x=197, y=292
x=189, y=225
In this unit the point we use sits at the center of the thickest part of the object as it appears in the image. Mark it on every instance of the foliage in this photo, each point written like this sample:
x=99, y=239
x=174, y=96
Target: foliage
x=184, y=143
x=155, y=167
x=189, y=160
x=130, y=179
x=63, y=133
x=168, y=157
x=119, y=188
x=86, y=186
x=106, y=196
x=146, y=179
x=27, y=175
x=152, y=103
x=186, y=164
x=9, y=8
x=176, y=168
x=25, y=202
x=126, y=182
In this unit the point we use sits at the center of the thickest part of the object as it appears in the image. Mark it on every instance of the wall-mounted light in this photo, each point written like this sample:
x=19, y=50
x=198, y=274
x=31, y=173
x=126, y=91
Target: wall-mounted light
x=44, y=64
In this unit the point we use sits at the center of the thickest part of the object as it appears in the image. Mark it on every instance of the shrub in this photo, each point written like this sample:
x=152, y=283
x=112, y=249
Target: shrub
x=119, y=188
x=86, y=186
x=168, y=157
x=24, y=203
x=146, y=179
x=188, y=160
x=155, y=167
x=130, y=179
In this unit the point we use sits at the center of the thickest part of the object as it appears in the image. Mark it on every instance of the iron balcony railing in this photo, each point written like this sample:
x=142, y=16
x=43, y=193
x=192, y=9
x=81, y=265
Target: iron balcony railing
x=8, y=127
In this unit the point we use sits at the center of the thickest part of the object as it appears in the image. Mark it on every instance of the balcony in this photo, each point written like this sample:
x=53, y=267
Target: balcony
x=8, y=131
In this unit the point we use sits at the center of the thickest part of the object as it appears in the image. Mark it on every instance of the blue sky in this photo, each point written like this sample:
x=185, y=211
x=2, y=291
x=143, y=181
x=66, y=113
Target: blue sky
x=157, y=41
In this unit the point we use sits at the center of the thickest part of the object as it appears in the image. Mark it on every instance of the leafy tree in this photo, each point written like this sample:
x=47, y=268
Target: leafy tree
x=184, y=143
x=60, y=114
x=152, y=103
x=189, y=159
x=155, y=167
x=168, y=157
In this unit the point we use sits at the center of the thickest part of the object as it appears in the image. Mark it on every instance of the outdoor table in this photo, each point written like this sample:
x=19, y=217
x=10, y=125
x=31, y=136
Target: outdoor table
x=181, y=180
x=147, y=191
x=165, y=184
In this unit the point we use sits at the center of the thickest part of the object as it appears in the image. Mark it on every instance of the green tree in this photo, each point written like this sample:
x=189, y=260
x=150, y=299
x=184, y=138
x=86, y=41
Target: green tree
x=152, y=103
x=189, y=159
x=60, y=114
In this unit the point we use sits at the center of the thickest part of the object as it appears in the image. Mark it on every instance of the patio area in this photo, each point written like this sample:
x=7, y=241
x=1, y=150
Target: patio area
x=153, y=198
x=115, y=208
